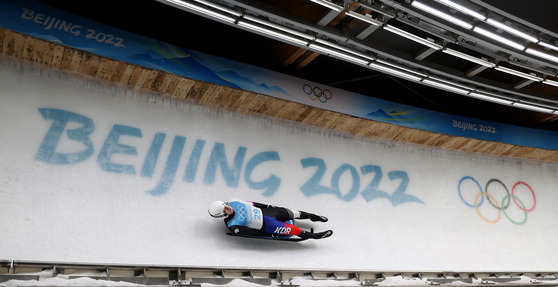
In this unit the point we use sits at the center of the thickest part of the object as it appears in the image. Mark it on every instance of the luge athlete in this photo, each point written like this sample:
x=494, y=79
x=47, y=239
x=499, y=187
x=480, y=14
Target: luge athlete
x=248, y=218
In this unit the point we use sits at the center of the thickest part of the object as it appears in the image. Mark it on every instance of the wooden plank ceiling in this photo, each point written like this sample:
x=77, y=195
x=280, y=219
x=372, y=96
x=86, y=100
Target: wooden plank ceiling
x=30, y=49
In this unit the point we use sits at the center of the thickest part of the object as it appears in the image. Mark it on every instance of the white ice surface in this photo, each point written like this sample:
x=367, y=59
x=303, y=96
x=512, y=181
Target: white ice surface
x=84, y=214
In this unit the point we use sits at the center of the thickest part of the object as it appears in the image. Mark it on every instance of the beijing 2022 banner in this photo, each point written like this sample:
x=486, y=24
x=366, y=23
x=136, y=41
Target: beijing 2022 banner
x=41, y=21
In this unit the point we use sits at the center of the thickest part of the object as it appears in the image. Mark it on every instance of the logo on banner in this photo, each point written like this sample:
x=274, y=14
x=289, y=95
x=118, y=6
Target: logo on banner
x=503, y=205
x=316, y=93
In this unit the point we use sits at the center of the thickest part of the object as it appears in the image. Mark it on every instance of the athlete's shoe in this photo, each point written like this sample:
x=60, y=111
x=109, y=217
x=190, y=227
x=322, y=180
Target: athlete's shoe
x=325, y=234
x=319, y=235
x=315, y=217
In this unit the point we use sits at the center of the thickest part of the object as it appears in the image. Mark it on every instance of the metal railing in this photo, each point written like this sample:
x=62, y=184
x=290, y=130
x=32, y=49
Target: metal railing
x=197, y=276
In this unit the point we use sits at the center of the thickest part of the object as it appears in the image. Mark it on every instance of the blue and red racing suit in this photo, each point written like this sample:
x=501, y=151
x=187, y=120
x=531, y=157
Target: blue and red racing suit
x=258, y=219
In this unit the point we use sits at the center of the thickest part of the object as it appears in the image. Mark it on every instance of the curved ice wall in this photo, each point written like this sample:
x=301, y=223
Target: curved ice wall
x=91, y=172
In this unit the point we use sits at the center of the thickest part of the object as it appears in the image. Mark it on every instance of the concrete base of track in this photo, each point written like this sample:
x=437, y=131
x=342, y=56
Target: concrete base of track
x=14, y=274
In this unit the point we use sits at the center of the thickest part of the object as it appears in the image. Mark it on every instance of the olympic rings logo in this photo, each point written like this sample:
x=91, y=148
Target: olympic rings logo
x=317, y=93
x=503, y=205
x=241, y=213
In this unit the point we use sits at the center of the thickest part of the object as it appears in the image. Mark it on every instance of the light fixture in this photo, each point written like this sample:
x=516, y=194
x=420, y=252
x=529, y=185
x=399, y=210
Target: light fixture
x=451, y=82
x=442, y=15
x=395, y=72
x=278, y=27
x=469, y=58
x=337, y=54
x=533, y=108
x=490, y=98
x=345, y=49
x=207, y=12
x=219, y=7
x=541, y=54
x=511, y=30
x=550, y=82
x=498, y=38
x=412, y=37
x=519, y=74
x=401, y=67
x=275, y=34
x=446, y=87
x=462, y=9
x=329, y=5
x=546, y=45
x=366, y=18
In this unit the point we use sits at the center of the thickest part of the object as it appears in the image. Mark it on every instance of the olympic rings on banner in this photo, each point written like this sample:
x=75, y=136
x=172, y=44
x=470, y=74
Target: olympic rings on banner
x=317, y=93
x=500, y=206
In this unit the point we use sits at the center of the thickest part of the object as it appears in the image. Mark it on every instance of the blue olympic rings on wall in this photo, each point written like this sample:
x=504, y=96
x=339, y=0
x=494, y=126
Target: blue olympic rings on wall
x=500, y=206
x=316, y=93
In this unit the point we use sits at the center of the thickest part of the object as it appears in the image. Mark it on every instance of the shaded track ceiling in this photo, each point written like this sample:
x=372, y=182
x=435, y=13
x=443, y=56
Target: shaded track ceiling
x=187, y=29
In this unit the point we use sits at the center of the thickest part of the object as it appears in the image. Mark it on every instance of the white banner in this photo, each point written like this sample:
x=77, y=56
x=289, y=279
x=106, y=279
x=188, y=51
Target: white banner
x=94, y=173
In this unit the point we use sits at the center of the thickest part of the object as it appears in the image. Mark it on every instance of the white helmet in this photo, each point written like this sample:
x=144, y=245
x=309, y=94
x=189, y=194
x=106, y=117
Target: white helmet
x=217, y=209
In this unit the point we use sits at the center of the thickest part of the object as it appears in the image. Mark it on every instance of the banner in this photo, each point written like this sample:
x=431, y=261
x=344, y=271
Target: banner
x=44, y=22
